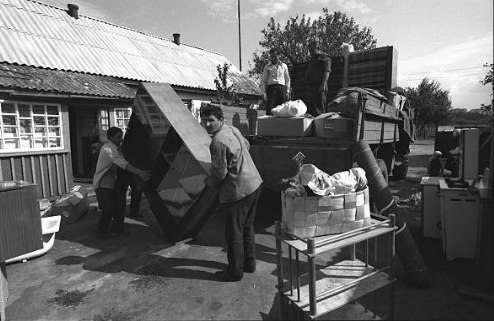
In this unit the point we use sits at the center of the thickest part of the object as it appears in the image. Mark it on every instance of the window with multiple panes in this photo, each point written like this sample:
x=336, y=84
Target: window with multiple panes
x=122, y=116
x=104, y=119
x=30, y=126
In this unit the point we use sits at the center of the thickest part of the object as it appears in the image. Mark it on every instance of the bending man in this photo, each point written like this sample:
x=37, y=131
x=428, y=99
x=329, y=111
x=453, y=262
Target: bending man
x=105, y=180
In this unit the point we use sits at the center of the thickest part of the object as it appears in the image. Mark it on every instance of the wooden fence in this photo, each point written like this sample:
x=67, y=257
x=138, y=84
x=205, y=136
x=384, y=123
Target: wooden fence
x=51, y=172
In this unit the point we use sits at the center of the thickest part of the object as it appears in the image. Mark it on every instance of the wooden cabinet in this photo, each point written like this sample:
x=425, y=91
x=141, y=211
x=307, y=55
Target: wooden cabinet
x=323, y=288
x=20, y=227
x=20, y=220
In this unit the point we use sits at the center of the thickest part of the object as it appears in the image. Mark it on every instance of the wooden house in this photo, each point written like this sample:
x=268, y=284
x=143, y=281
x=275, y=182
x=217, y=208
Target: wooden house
x=65, y=78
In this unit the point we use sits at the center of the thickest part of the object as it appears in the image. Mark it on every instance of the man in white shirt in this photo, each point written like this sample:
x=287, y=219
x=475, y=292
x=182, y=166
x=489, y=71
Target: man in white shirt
x=275, y=81
x=104, y=183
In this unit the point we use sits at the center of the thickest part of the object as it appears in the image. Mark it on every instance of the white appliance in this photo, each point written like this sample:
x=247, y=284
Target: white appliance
x=461, y=221
x=431, y=207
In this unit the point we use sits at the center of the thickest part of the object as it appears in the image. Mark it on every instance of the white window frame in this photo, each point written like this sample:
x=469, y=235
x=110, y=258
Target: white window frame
x=104, y=119
x=47, y=132
x=121, y=121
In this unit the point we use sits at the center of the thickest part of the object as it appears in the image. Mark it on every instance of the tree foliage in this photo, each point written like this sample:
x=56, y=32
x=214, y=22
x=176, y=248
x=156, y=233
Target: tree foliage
x=431, y=103
x=488, y=77
x=488, y=80
x=225, y=92
x=460, y=116
x=331, y=30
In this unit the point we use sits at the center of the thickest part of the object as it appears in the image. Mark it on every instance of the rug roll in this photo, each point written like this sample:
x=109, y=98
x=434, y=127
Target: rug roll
x=406, y=249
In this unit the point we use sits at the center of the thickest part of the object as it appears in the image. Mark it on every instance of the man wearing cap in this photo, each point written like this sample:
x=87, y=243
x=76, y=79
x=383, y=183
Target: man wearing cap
x=316, y=80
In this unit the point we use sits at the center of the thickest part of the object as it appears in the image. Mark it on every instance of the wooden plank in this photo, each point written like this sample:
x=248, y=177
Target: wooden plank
x=364, y=69
x=50, y=178
x=23, y=168
x=57, y=172
x=391, y=69
x=334, y=276
x=33, y=170
x=64, y=159
x=274, y=162
x=193, y=134
x=181, y=156
x=42, y=174
x=12, y=168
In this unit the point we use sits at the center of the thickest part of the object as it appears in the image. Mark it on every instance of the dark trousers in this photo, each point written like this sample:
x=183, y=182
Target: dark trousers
x=124, y=180
x=239, y=232
x=107, y=201
x=276, y=95
x=316, y=101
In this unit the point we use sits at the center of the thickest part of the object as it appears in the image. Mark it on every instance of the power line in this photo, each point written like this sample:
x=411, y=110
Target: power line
x=450, y=76
x=447, y=70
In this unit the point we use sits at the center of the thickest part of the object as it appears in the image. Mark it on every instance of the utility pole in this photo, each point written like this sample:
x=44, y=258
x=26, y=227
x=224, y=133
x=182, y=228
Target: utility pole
x=239, y=38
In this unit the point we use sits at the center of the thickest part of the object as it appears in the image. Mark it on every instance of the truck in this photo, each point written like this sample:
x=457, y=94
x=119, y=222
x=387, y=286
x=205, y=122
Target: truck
x=363, y=93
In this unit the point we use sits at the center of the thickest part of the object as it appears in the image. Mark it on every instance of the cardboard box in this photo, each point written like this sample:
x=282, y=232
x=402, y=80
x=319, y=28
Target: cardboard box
x=72, y=206
x=277, y=126
x=312, y=216
x=333, y=125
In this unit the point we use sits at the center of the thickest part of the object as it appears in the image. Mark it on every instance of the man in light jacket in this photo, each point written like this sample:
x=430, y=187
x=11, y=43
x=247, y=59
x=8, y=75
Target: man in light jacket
x=234, y=173
x=104, y=183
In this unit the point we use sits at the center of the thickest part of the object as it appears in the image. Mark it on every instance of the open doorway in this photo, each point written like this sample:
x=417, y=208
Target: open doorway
x=88, y=126
x=86, y=129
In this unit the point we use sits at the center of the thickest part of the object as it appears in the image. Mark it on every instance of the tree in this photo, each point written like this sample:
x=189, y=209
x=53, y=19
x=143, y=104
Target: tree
x=431, y=103
x=330, y=29
x=461, y=116
x=225, y=92
x=488, y=77
x=487, y=80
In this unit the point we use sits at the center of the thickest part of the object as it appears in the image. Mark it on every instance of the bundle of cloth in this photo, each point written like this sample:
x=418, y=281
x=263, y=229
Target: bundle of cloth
x=310, y=181
x=291, y=108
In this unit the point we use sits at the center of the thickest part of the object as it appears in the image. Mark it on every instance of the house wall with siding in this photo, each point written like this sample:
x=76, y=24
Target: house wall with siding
x=50, y=170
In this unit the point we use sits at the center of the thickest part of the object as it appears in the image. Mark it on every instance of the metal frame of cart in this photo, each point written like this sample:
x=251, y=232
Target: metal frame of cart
x=346, y=280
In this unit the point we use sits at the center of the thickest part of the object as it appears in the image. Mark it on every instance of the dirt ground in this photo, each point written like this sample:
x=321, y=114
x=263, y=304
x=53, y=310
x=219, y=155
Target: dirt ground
x=144, y=277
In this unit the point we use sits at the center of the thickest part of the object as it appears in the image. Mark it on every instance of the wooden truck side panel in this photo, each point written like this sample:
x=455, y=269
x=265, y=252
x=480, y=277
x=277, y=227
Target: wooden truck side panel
x=274, y=161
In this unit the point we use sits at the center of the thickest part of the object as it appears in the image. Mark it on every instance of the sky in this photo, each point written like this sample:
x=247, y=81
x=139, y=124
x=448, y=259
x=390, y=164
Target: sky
x=448, y=41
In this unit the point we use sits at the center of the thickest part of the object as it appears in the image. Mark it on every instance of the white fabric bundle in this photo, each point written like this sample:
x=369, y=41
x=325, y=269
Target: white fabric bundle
x=340, y=183
x=291, y=108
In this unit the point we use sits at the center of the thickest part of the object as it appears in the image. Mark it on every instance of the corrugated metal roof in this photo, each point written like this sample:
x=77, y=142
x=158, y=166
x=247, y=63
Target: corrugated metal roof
x=36, y=34
x=63, y=82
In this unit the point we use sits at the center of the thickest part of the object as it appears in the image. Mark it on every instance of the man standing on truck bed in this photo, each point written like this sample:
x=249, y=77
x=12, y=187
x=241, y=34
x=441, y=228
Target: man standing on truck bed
x=316, y=80
x=275, y=81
